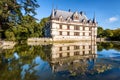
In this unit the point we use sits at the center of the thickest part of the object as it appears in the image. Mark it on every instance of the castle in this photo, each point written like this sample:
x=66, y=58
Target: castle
x=67, y=25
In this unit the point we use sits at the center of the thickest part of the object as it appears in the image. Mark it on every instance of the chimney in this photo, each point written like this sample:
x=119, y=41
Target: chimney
x=81, y=13
x=69, y=10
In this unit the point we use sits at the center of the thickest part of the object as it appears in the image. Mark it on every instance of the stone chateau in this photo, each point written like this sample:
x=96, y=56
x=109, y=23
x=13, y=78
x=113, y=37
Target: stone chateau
x=67, y=25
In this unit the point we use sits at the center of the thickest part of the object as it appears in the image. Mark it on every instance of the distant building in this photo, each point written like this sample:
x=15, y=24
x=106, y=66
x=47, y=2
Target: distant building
x=67, y=25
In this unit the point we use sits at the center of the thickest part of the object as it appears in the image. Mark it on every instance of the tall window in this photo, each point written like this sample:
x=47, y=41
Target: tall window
x=76, y=53
x=83, y=52
x=68, y=33
x=60, y=26
x=76, y=33
x=60, y=32
x=68, y=54
x=89, y=29
x=60, y=54
x=76, y=47
x=60, y=49
x=83, y=28
x=89, y=34
x=89, y=52
x=68, y=48
x=76, y=28
x=89, y=46
x=83, y=47
x=83, y=33
x=68, y=27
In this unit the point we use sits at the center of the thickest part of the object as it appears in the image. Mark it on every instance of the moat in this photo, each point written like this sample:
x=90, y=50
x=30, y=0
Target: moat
x=61, y=61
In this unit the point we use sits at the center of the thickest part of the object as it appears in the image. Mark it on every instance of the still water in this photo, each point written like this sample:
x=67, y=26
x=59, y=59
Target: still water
x=61, y=61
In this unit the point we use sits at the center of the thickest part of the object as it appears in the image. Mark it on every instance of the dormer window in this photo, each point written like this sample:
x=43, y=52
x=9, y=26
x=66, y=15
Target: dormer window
x=61, y=18
x=75, y=16
x=68, y=19
x=89, y=21
x=84, y=21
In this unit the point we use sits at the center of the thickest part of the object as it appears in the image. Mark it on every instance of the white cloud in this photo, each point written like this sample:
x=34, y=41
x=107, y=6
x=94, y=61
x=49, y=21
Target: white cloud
x=113, y=19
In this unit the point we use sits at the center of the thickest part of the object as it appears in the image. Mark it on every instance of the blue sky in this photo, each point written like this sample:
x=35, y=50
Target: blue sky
x=107, y=11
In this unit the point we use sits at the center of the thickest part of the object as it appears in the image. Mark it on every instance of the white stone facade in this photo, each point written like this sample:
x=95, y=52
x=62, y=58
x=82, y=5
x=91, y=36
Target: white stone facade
x=66, y=54
x=64, y=25
x=64, y=50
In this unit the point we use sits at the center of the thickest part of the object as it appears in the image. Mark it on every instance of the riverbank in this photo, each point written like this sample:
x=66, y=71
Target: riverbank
x=7, y=44
x=49, y=40
x=46, y=41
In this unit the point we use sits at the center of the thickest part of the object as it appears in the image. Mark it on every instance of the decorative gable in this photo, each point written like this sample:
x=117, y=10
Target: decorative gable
x=75, y=16
x=68, y=19
x=61, y=18
x=83, y=21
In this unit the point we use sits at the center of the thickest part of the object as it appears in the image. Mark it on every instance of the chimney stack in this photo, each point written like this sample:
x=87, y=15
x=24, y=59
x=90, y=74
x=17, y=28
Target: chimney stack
x=69, y=10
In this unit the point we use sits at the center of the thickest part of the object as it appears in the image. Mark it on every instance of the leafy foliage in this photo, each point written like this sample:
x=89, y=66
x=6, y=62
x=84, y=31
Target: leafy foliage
x=100, y=32
x=12, y=68
x=12, y=12
x=109, y=34
x=108, y=45
x=43, y=22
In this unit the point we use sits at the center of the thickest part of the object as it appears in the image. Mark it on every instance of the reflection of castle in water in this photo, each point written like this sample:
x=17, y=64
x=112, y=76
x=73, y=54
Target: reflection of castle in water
x=66, y=55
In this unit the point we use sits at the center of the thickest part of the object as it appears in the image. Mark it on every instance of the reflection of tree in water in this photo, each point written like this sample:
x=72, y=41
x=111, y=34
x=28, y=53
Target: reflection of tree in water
x=11, y=68
x=12, y=71
x=99, y=68
x=81, y=67
x=108, y=45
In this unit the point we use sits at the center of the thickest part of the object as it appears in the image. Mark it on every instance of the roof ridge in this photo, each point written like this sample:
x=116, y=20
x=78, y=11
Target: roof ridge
x=64, y=11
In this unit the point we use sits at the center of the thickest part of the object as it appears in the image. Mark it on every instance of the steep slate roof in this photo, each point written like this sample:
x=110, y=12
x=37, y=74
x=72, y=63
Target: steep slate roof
x=66, y=14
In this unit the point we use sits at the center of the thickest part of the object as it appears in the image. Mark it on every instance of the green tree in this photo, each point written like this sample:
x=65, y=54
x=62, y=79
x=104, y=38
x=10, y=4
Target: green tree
x=100, y=32
x=28, y=27
x=43, y=22
x=108, y=33
x=116, y=35
x=10, y=35
x=11, y=12
x=32, y=27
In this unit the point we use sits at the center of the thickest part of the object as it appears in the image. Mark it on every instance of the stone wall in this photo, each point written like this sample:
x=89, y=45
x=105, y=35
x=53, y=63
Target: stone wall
x=101, y=39
x=39, y=40
x=7, y=44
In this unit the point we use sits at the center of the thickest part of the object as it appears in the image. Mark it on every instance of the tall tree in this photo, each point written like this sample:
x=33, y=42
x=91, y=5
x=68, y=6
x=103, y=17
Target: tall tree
x=43, y=23
x=100, y=32
x=11, y=12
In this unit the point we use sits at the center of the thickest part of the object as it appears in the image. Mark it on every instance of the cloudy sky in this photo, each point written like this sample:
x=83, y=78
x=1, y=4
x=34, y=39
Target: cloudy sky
x=107, y=11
